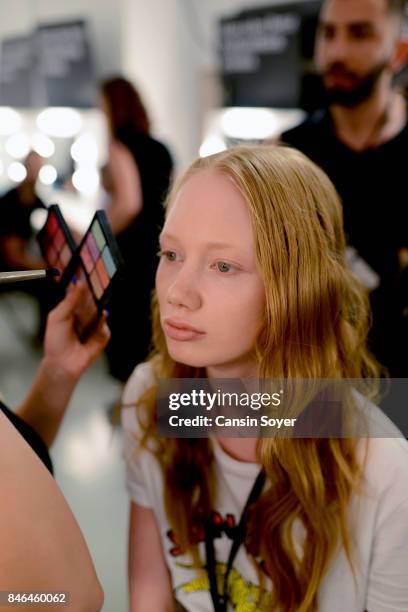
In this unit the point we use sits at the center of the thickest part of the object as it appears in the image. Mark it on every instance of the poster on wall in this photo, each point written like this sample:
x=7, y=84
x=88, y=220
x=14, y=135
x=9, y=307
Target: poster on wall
x=16, y=71
x=51, y=67
x=65, y=64
x=263, y=51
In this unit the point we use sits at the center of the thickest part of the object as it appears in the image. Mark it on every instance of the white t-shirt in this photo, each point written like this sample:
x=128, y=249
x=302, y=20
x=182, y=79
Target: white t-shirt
x=378, y=524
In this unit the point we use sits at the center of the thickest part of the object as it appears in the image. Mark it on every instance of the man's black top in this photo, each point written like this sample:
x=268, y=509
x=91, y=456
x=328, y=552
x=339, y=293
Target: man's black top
x=373, y=186
x=30, y=436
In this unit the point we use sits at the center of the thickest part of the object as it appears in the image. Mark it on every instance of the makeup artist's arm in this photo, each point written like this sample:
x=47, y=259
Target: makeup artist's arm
x=126, y=192
x=42, y=547
x=65, y=360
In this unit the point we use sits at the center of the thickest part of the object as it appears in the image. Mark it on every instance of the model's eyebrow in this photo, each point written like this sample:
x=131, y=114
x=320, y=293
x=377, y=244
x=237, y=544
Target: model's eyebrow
x=166, y=236
x=208, y=245
x=220, y=245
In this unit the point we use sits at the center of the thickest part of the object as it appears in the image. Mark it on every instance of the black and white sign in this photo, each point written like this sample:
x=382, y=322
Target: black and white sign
x=262, y=54
x=65, y=64
x=51, y=67
x=16, y=71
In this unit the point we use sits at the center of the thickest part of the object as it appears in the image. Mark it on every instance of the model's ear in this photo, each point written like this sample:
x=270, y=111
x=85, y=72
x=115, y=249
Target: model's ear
x=400, y=56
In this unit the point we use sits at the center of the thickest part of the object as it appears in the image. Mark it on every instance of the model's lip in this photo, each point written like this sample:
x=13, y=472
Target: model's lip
x=177, y=324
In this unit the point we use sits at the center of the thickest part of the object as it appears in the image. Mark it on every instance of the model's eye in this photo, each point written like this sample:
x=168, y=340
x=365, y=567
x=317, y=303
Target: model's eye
x=169, y=255
x=223, y=267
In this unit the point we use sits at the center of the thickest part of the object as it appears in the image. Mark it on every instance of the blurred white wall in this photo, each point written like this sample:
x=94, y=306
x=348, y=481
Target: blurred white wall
x=169, y=50
x=162, y=57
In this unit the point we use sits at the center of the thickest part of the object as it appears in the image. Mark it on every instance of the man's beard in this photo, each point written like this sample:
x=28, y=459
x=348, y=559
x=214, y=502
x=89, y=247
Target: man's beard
x=357, y=93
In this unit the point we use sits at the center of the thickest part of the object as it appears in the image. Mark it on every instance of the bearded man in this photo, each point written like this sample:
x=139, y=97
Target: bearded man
x=361, y=140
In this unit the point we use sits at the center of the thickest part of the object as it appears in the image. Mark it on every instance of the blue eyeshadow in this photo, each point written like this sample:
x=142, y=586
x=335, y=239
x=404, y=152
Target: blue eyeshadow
x=108, y=261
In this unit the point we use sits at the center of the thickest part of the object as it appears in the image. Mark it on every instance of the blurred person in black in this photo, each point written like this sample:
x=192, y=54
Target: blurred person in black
x=361, y=140
x=16, y=207
x=137, y=176
x=16, y=234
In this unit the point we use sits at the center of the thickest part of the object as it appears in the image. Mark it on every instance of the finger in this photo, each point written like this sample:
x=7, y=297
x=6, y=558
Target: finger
x=67, y=306
x=100, y=336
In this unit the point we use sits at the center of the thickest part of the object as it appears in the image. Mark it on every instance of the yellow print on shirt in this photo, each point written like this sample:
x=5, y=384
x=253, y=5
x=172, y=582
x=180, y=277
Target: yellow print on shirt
x=243, y=596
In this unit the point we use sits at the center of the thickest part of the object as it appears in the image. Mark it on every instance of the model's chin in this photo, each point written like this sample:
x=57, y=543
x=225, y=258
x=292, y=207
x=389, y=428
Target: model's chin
x=186, y=354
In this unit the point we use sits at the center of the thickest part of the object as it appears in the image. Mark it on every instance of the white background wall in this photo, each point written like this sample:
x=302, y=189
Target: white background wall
x=169, y=50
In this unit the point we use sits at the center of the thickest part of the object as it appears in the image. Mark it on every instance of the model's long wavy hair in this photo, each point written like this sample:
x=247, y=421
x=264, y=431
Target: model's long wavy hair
x=315, y=327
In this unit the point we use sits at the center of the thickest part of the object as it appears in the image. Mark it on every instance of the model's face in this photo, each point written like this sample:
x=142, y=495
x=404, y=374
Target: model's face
x=211, y=294
x=355, y=43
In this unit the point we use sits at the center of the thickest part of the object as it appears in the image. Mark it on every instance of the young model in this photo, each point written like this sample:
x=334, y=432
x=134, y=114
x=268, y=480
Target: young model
x=252, y=283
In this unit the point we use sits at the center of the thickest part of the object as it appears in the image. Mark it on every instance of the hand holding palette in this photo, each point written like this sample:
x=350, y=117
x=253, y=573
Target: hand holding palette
x=98, y=262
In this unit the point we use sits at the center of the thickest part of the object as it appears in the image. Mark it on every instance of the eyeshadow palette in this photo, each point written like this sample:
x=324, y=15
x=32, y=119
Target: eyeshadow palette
x=98, y=261
x=56, y=242
x=98, y=255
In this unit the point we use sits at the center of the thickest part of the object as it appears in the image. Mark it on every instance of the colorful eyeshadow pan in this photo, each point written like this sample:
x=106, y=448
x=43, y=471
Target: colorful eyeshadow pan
x=98, y=235
x=52, y=254
x=86, y=258
x=65, y=255
x=56, y=242
x=102, y=273
x=92, y=246
x=59, y=239
x=96, y=284
x=52, y=223
x=109, y=263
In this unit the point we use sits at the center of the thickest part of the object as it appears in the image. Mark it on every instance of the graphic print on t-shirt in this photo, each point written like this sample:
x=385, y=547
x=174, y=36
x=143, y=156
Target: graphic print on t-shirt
x=243, y=595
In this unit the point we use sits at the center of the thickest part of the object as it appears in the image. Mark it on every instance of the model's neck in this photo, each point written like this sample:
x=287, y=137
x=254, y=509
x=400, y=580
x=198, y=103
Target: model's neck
x=241, y=449
x=372, y=122
x=238, y=370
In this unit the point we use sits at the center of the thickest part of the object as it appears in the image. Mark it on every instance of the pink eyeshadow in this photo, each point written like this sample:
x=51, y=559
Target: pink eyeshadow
x=87, y=259
x=92, y=246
